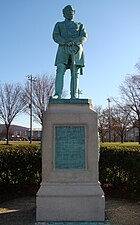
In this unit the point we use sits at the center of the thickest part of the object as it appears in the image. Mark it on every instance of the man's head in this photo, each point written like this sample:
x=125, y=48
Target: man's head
x=69, y=12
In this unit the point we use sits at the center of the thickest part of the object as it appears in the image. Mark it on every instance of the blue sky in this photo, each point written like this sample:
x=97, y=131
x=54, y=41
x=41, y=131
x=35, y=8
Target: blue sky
x=111, y=51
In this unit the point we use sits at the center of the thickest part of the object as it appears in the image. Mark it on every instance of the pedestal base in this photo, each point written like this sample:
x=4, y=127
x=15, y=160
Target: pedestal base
x=70, y=190
x=70, y=202
x=73, y=223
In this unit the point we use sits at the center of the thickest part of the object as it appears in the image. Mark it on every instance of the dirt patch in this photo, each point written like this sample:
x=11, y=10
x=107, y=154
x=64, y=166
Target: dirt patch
x=21, y=211
x=123, y=212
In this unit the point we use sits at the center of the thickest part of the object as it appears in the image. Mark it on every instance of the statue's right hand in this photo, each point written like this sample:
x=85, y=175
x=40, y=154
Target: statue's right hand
x=70, y=43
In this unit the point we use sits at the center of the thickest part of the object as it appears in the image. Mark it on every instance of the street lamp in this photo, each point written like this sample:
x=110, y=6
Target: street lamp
x=109, y=118
x=31, y=79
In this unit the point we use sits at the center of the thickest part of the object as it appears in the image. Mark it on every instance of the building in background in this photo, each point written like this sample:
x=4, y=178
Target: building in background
x=36, y=134
x=19, y=133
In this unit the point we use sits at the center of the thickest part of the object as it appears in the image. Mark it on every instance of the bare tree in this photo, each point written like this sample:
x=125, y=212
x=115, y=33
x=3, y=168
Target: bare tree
x=137, y=66
x=10, y=104
x=42, y=90
x=102, y=121
x=121, y=120
x=130, y=95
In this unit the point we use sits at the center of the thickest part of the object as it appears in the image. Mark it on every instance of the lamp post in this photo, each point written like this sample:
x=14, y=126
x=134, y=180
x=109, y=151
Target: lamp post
x=109, y=120
x=31, y=79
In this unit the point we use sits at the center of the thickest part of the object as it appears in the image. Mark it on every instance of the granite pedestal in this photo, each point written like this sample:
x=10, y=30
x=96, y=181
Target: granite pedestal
x=70, y=190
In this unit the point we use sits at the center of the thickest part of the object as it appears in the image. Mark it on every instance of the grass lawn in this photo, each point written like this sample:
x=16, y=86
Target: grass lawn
x=3, y=143
x=119, y=144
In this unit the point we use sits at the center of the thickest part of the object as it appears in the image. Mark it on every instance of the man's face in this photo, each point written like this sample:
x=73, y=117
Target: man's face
x=69, y=13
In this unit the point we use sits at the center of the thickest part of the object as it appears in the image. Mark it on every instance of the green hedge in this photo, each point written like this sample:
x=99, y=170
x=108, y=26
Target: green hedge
x=20, y=167
x=119, y=167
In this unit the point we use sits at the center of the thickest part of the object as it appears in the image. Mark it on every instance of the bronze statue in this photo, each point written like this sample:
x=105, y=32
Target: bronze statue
x=70, y=36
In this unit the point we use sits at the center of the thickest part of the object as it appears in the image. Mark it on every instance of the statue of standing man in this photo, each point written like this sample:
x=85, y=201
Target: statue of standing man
x=70, y=36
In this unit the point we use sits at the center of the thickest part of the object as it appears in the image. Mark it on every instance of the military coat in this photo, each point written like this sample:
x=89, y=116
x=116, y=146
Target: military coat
x=64, y=33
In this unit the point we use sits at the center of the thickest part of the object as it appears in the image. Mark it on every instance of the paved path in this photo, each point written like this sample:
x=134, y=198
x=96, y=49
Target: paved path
x=21, y=211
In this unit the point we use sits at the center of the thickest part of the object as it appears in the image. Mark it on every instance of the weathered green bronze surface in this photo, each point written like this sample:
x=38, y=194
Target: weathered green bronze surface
x=70, y=101
x=70, y=36
x=70, y=147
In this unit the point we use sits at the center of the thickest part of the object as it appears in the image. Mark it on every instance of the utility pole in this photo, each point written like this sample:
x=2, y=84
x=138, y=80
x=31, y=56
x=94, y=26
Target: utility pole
x=31, y=79
x=79, y=93
x=109, y=120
